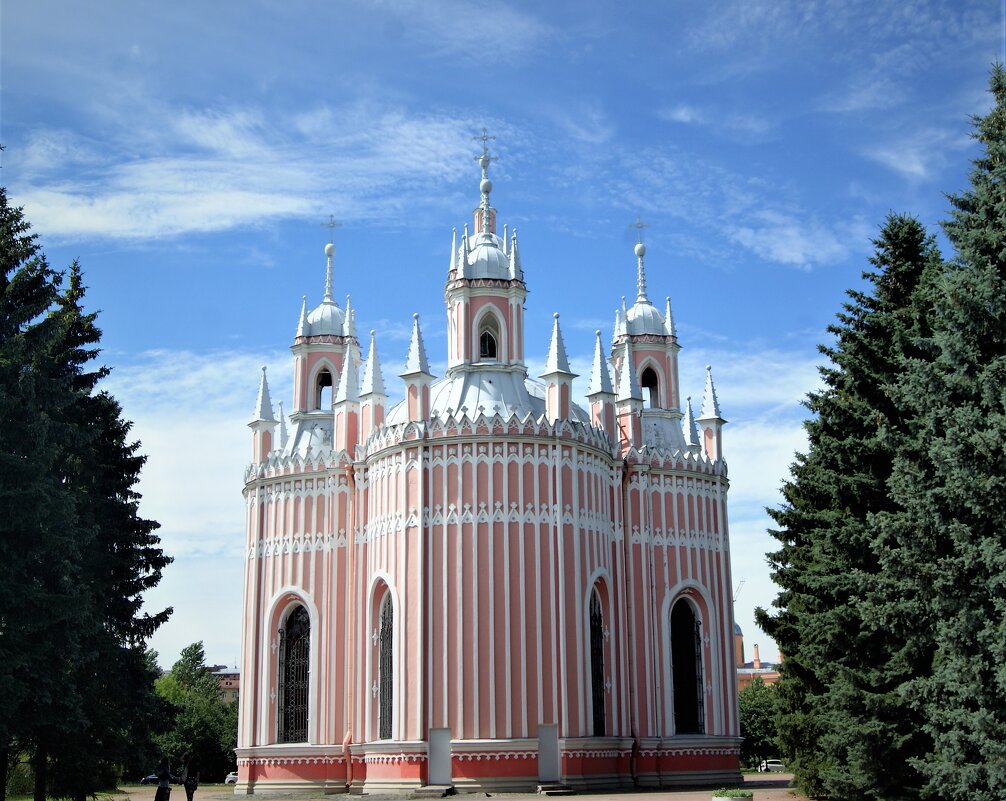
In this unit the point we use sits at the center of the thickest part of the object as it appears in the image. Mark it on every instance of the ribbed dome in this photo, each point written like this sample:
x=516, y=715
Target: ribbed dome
x=495, y=391
x=644, y=318
x=327, y=319
x=487, y=258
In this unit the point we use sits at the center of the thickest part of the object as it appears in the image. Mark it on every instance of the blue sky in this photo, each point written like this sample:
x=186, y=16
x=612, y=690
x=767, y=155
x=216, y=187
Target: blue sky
x=188, y=152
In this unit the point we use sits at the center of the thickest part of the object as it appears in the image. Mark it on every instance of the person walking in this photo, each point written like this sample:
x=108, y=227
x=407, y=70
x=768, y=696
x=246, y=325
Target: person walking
x=189, y=776
x=163, y=774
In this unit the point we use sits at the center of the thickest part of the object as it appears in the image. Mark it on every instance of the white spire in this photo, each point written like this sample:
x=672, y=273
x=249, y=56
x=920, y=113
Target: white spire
x=485, y=186
x=282, y=426
x=263, y=405
x=556, y=362
x=600, y=378
x=454, y=251
x=349, y=326
x=349, y=381
x=669, y=328
x=515, y=267
x=691, y=430
x=628, y=382
x=329, y=254
x=302, y=323
x=416, y=361
x=710, y=403
x=641, y=274
x=373, y=381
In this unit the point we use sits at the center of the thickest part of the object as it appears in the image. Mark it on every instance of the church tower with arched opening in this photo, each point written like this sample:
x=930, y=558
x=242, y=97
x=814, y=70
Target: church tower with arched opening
x=486, y=585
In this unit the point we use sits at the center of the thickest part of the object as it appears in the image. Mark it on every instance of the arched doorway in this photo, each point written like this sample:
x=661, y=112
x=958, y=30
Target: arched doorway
x=294, y=676
x=686, y=670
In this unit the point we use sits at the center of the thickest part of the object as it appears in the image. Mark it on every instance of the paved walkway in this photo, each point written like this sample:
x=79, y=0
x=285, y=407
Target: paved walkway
x=766, y=787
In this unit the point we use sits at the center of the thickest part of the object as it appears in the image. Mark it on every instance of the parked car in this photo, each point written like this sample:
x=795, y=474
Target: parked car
x=771, y=765
x=232, y=777
x=151, y=779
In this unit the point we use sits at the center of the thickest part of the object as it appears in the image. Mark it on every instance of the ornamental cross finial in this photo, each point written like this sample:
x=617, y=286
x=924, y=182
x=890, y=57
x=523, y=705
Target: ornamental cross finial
x=485, y=139
x=639, y=225
x=331, y=225
x=486, y=186
x=640, y=250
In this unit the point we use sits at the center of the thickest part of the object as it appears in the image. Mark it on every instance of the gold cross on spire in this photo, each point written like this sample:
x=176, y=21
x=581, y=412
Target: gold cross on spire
x=331, y=225
x=639, y=225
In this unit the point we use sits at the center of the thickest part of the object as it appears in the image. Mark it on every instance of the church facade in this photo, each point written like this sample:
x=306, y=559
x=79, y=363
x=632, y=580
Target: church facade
x=487, y=585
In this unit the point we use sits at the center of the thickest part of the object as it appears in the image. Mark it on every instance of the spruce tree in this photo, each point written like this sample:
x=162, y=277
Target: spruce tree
x=75, y=556
x=38, y=568
x=844, y=729
x=947, y=549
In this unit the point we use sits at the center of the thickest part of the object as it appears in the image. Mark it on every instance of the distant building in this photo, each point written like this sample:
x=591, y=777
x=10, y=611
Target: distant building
x=229, y=680
x=486, y=585
x=768, y=672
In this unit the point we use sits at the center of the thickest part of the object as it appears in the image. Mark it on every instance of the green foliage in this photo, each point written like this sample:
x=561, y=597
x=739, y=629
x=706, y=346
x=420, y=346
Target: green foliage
x=758, y=711
x=201, y=722
x=844, y=730
x=948, y=548
x=893, y=552
x=74, y=554
x=732, y=792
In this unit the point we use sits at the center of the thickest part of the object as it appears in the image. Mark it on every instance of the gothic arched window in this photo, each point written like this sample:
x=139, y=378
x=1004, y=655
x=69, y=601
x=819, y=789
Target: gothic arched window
x=489, y=335
x=323, y=390
x=294, y=661
x=686, y=670
x=386, y=686
x=597, y=663
x=648, y=381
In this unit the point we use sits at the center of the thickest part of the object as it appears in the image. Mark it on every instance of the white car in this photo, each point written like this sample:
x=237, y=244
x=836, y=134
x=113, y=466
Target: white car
x=232, y=777
x=771, y=765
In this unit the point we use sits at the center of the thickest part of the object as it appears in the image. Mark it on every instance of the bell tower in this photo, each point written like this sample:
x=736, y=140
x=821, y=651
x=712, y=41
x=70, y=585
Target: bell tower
x=654, y=352
x=319, y=349
x=485, y=289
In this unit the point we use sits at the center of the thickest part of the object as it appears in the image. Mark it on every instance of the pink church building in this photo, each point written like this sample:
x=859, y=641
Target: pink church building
x=486, y=585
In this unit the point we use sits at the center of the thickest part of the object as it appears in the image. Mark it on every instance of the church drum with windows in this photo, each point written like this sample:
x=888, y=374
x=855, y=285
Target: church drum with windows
x=486, y=585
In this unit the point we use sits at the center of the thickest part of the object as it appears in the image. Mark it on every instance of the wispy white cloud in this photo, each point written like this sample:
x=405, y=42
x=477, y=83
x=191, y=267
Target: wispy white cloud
x=214, y=170
x=919, y=155
x=730, y=122
x=779, y=237
x=585, y=123
x=479, y=33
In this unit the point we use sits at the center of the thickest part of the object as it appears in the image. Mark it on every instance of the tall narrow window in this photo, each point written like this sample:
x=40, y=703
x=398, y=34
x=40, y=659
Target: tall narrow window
x=323, y=390
x=385, y=662
x=597, y=663
x=648, y=381
x=489, y=333
x=686, y=670
x=294, y=661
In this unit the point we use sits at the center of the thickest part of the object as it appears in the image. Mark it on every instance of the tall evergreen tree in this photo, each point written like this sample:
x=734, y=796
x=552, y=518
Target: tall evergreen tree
x=843, y=725
x=37, y=565
x=71, y=627
x=947, y=550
